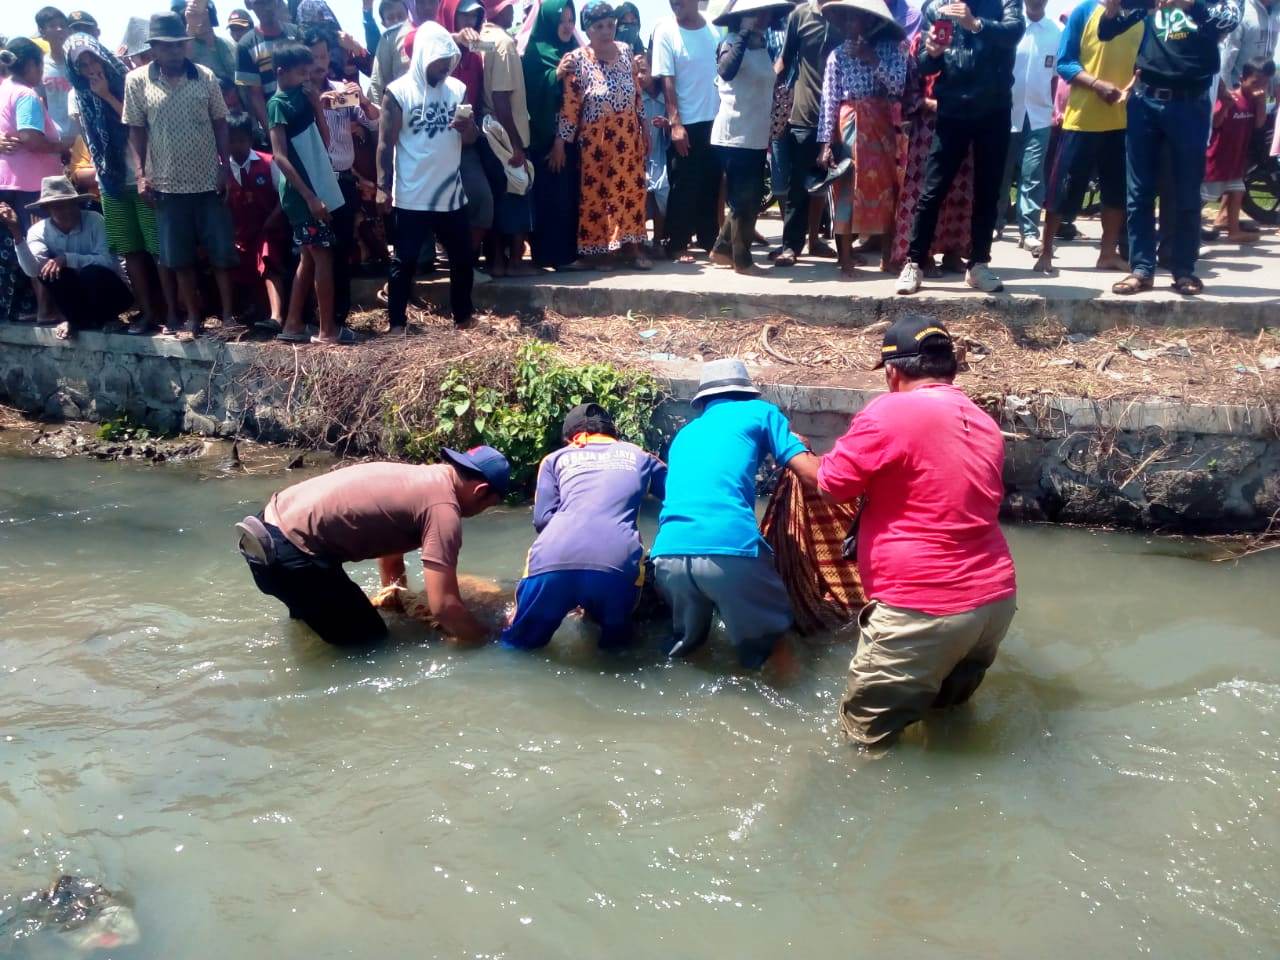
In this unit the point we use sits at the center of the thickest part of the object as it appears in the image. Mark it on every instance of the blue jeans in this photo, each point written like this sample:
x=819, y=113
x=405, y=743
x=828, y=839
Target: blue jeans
x=1027, y=154
x=545, y=599
x=1180, y=127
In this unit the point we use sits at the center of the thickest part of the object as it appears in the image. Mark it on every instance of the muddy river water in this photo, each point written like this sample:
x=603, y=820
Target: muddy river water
x=1111, y=792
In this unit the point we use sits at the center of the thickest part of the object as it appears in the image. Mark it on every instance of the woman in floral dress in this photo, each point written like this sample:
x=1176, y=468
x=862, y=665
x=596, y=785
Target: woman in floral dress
x=604, y=114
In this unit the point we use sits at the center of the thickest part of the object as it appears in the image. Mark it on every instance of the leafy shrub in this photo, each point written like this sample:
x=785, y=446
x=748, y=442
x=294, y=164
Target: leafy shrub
x=522, y=417
x=122, y=429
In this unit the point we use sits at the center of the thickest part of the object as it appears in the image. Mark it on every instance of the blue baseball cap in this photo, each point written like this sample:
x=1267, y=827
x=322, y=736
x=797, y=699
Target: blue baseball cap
x=487, y=462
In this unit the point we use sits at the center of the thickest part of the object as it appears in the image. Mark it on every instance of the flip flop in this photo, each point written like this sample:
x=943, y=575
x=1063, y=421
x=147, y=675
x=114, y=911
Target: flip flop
x=1189, y=286
x=271, y=325
x=1133, y=283
x=302, y=337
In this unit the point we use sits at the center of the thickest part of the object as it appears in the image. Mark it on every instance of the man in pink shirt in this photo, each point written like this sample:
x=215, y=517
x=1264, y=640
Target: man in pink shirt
x=933, y=561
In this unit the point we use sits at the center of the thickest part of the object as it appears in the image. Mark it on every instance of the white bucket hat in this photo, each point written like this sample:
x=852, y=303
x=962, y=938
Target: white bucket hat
x=721, y=377
x=519, y=179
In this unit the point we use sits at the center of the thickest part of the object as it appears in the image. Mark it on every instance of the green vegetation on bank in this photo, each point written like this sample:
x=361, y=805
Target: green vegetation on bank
x=520, y=412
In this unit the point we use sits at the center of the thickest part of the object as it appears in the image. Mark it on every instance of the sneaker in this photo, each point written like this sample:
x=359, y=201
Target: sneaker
x=981, y=278
x=910, y=279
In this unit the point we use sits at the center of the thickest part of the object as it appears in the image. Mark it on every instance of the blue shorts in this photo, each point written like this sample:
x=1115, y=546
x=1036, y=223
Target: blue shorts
x=543, y=601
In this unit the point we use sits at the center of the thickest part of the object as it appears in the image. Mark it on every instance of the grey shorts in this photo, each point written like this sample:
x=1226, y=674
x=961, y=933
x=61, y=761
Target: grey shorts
x=188, y=222
x=479, y=194
x=746, y=592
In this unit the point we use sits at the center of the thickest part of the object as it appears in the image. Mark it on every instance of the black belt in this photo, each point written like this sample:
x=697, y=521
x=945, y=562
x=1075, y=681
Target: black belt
x=1166, y=94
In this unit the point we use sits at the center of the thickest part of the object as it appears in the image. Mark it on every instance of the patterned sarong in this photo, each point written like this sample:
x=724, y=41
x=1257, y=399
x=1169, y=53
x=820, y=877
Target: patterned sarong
x=807, y=536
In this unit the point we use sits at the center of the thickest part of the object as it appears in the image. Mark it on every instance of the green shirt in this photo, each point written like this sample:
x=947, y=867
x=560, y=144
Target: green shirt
x=292, y=110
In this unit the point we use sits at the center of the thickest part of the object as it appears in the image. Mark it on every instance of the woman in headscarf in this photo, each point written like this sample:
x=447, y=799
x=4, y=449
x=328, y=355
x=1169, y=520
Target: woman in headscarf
x=629, y=27
x=604, y=114
x=861, y=86
x=555, y=192
x=97, y=82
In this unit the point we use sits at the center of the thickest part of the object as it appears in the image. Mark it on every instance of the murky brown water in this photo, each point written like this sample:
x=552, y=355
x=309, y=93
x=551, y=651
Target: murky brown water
x=1111, y=792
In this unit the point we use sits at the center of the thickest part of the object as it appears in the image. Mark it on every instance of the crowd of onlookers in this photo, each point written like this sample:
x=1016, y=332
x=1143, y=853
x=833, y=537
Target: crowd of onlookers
x=251, y=174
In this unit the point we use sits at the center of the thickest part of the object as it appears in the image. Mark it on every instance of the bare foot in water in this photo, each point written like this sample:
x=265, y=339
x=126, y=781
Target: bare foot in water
x=1112, y=261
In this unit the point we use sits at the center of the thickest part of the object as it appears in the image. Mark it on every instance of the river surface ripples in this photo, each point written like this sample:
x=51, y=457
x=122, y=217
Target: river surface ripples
x=1111, y=791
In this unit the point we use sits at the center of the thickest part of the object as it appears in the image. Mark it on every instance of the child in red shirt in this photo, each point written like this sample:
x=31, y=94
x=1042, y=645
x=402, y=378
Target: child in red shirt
x=1236, y=116
x=261, y=231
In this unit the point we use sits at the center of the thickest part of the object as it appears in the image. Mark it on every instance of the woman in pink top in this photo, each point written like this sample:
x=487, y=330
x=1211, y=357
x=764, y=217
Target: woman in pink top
x=30, y=147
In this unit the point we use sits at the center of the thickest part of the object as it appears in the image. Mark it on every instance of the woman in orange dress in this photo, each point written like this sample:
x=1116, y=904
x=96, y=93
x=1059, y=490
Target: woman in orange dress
x=604, y=114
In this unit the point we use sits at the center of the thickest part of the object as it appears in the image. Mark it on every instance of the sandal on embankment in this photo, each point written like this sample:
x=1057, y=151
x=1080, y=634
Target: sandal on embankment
x=1133, y=283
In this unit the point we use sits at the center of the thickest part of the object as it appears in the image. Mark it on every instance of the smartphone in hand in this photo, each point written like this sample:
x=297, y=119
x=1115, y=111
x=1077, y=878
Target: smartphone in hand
x=944, y=31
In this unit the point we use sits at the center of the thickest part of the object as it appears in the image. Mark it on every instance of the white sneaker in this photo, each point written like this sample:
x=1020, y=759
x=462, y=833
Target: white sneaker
x=981, y=278
x=910, y=279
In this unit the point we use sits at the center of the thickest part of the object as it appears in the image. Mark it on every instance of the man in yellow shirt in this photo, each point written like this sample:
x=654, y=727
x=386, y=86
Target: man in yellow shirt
x=1093, y=131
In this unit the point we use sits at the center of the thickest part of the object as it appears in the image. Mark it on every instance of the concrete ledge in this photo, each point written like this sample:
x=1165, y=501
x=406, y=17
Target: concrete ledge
x=1146, y=464
x=1078, y=312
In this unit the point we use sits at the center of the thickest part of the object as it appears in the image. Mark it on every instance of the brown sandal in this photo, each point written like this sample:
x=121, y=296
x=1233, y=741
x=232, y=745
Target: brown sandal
x=1188, y=286
x=1133, y=283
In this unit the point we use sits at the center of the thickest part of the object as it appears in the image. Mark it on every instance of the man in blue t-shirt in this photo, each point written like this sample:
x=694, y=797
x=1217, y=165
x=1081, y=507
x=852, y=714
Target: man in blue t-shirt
x=709, y=556
x=588, y=553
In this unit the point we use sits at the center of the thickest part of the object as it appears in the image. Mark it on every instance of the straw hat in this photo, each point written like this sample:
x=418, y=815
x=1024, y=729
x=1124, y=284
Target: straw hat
x=55, y=190
x=721, y=377
x=875, y=8
x=740, y=8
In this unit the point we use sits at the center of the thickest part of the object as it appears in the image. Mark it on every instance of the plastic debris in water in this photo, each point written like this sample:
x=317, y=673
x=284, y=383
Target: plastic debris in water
x=81, y=913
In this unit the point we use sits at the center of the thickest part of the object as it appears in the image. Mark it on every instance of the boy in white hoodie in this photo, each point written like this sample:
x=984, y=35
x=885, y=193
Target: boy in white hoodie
x=423, y=128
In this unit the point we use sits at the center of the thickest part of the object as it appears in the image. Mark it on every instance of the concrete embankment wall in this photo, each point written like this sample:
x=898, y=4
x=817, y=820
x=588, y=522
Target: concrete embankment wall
x=1148, y=465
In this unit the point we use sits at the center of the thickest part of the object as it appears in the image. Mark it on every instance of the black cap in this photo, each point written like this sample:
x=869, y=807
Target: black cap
x=912, y=335
x=81, y=20
x=587, y=418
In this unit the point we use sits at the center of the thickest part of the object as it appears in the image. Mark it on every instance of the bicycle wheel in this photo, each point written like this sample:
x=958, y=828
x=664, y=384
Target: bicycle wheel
x=1262, y=191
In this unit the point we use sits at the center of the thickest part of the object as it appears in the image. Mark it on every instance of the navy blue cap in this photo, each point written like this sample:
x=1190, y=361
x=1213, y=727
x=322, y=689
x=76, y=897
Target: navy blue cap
x=487, y=462
x=913, y=334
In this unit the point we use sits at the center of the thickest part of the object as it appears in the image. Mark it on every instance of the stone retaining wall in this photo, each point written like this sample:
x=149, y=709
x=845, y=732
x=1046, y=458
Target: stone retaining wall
x=1153, y=465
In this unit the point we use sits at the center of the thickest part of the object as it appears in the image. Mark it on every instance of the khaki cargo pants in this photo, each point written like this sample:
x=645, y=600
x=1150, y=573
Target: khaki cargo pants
x=908, y=662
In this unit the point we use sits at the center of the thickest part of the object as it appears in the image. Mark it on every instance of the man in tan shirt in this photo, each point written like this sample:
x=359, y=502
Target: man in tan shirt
x=296, y=547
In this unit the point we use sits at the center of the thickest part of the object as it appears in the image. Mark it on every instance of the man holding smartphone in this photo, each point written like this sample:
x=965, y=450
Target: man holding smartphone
x=1169, y=111
x=970, y=47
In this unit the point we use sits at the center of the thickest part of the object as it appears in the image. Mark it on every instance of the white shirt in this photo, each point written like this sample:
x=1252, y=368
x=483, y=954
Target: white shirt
x=690, y=57
x=1033, y=71
x=85, y=246
x=238, y=169
x=428, y=172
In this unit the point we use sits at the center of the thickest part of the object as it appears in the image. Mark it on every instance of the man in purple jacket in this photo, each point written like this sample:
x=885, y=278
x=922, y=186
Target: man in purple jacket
x=588, y=553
